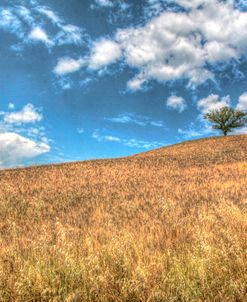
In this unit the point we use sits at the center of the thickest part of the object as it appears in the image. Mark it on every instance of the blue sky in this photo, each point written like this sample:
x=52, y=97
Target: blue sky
x=102, y=78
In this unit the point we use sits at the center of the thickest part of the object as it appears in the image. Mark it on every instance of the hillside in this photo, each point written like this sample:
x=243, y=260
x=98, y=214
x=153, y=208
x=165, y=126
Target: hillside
x=165, y=225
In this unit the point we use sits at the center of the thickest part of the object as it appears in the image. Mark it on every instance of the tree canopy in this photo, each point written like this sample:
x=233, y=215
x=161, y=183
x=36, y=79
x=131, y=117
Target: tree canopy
x=226, y=119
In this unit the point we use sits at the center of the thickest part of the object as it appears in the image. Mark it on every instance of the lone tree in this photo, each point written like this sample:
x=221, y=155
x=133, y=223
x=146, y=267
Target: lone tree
x=226, y=119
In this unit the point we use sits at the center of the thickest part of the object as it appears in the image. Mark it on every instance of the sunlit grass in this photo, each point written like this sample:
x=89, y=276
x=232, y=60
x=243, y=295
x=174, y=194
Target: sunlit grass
x=169, y=225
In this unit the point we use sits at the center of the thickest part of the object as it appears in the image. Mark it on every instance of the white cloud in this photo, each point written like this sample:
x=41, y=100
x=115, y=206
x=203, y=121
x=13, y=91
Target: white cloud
x=192, y=3
x=70, y=34
x=104, y=52
x=213, y=102
x=80, y=130
x=176, y=103
x=242, y=130
x=242, y=102
x=68, y=65
x=16, y=148
x=136, y=83
x=20, y=138
x=49, y=14
x=10, y=22
x=132, y=118
x=194, y=131
x=38, y=34
x=11, y=106
x=25, y=15
x=132, y=143
x=141, y=144
x=178, y=45
x=105, y=138
x=219, y=52
x=29, y=24
x=104, y=3
x=129, y=118
x=29, y=114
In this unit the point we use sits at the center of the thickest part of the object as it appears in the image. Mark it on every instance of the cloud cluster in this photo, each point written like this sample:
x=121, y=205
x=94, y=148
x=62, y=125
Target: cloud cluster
x=186, y=43
x=103, y=53
x=178, y=44
x=28, y=114
x=19, y=141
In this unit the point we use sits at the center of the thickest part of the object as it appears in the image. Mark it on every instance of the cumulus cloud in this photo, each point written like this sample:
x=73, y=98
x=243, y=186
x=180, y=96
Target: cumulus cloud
x=21, y=138
x=213, y=102
x=104, y=52
x=176, y=103
x=16, y=148
x=68, y=65
x=178, y=44
x=29, y=114
x=242, y=102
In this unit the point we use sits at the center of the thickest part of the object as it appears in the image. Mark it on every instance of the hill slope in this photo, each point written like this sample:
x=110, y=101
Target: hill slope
x=165, y=225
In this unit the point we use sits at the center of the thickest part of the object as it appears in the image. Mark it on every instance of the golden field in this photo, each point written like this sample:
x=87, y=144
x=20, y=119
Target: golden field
x=162, y=226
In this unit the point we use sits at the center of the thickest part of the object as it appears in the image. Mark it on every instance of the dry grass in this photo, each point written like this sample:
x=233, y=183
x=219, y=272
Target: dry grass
x=168, y=225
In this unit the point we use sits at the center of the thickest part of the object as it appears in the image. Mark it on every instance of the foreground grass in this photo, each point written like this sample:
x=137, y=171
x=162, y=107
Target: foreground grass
x=169, y=225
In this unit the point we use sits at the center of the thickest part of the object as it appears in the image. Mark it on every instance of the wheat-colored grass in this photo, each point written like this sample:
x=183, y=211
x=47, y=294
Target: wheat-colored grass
x=163, y=226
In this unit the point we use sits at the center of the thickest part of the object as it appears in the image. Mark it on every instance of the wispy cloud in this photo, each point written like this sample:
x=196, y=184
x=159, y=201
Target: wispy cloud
x=132, y=142
x=25, y=22
x=132, y=118
x=195, y=130
x=46, y=11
